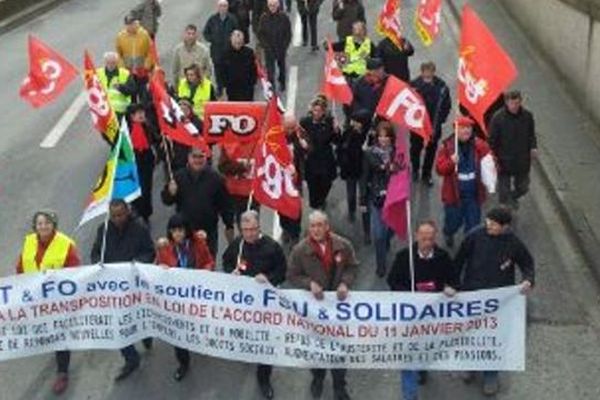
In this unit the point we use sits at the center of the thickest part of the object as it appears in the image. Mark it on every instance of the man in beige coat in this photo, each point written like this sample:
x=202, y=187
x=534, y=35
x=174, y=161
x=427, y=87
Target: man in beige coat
x=323, y=261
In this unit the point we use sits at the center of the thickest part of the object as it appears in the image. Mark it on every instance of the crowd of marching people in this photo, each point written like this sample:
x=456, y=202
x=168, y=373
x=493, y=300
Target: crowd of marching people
x=205, y=186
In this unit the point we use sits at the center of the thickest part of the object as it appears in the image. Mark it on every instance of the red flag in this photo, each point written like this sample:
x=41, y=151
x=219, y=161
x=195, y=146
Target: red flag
x=49, y=74
x=273, y=184
x=403, y=105
x=103, y=116
x=239, y=121
x=388, y=23
x=334, y=85
x=267, y=87
x=171, y=118
x=427, y=20
x=398, y=192
x=485, y=70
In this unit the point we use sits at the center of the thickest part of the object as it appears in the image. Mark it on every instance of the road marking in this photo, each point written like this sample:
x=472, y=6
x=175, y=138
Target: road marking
x=292, y=88
x=276, y=227
x=64, y=122
x=297, y=36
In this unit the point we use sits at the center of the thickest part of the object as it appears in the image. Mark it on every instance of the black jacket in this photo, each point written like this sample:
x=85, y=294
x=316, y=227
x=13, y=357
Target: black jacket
x=308, y=6
x=275, y=32
x=350, y=153
x=352, y=11
x=321, y=135
x=239, y=74
x=395, y=60
x=374, y=180
x=439, y=270
x=263, y=257
x=218, y=33
x=485, y=262
x=366, y=96
x=512, y=137
x=133, y=242
x=437, y=100
x=201, y=199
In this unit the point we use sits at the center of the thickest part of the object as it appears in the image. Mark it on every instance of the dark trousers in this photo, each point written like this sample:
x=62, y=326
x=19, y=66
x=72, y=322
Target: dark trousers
x=130, y=354
x=263, y=373
x=272, y=58
x=309, y=22
x=506, y=193
x=182, y=356
x=416, y=147
x=351, y=194
x=290, y=226
x=220, y=77
x=63, y=359
x=338, y=376
x=145, y=166
x=318, y=190
x=467, y=213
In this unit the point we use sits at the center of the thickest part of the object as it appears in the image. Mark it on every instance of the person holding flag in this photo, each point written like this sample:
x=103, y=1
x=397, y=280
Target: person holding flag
x=43, y=249
x=357, y=49
x=394, y=58
x=117, y=83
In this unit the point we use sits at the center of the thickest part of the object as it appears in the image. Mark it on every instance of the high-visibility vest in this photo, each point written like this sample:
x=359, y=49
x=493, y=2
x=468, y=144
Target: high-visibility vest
x=356, y=58
x=54, y=257
x=118, y=101
x=201, y=96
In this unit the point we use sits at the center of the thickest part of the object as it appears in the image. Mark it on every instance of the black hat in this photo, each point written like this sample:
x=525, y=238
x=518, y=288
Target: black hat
x=135, y=107
x=500, y=215
x=362, y=115
x=374, y=63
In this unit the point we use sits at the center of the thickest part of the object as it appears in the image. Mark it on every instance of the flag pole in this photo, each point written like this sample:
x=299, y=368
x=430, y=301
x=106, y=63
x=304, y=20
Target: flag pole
x=411, y=256
x=110, y=194
x=168, y=157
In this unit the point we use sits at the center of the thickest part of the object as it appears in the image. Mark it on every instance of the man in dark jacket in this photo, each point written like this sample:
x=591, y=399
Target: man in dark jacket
x=513, y=141
x=261, y=257
x=241, y=10
x=436, y=96
x=395, y=59
x=240, y=69
x=217, y=32
x=321, y=262
x=487, y=259
x=199, y=193
x=367, y=91
x=309, y=13
x=126, y=240
x=346, y=13
x=275, y=36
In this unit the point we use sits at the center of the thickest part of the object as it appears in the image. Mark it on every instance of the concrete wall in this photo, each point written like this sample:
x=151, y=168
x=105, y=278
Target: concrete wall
x=568, y=32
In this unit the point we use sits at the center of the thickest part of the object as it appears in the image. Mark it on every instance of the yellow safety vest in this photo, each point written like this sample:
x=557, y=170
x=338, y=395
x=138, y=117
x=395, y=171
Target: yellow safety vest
x=357, y=58
x=201, y=96
x=54, y=257
x=117, y=100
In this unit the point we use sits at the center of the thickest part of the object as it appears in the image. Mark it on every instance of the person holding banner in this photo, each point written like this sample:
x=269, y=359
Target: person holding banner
x=43, y=249
x=257, y=255
x=125, y=239
x=183, y=248
x=487, y=259
x=431, y=271
x=324, y=261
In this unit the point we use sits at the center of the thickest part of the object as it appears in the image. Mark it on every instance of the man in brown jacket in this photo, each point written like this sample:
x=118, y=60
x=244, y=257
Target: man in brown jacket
x=323, y=261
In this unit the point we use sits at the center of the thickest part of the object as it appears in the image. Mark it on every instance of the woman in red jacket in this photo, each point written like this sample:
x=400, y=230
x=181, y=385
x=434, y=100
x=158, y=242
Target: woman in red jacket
x=183, y=248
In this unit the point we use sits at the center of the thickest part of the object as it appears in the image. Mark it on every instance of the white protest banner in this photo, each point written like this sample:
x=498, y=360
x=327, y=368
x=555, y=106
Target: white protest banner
x=237, y=318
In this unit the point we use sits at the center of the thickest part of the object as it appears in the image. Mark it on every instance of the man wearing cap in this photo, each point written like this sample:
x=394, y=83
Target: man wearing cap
x=198, y=192
x=257, y=255
x=463, y=191
x=487, y=259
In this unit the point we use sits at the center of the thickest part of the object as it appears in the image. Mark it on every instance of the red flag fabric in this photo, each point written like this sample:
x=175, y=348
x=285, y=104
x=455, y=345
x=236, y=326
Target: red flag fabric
x=485, y=70
x=273, y=184
x=388, y=23
x=233, y=121
x=398, y=192
x=334, y=85
x=427, y=20
x=403, y=105
x=171, y=118
x=267, y=87
x=49, y=74
x=103, y=116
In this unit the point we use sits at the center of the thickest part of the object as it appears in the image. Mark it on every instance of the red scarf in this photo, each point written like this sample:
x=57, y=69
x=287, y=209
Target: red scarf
x=138, y=137
x=326, y=257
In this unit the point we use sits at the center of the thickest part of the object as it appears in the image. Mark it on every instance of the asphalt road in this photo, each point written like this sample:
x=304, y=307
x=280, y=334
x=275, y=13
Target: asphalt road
x=562, y=344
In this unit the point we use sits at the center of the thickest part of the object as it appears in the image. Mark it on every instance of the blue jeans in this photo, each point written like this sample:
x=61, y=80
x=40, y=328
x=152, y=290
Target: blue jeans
x=410, y=385
x=381, y=235
x=467, y=213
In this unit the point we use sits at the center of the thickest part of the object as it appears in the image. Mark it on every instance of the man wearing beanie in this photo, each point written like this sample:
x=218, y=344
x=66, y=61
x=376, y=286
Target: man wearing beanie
x=487, y=259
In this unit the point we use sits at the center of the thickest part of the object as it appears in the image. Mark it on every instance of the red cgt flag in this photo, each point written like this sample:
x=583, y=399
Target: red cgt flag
x=49, y=74
x=388, y=23
x=402, y=105
x=334, y=85
x=273, y=185
x=427, y=20
x=485, y=70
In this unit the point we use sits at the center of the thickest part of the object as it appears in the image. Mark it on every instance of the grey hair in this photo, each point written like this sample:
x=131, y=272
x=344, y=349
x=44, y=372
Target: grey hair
x=318, y=216
x=110, y=54
x=250, y=216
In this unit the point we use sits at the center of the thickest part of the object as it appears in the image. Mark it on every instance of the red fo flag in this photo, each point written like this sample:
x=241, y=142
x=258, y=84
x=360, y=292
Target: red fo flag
x=398, y=192
x=485, y=70
x=49, y=74
x=103, y=116
x=427, y=20
x=273, y=184
x=334, y=85
x=171, y=119
x=388, y=23
x=402, y=105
